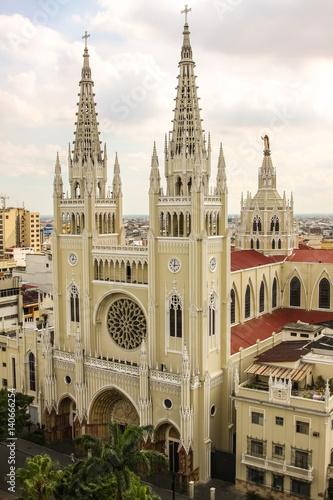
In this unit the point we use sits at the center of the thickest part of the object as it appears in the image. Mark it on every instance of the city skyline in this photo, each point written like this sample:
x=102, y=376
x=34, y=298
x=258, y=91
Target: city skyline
x=261, y=69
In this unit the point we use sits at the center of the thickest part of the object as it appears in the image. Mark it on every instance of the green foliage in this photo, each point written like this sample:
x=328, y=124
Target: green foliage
x=138, y=491
x=253, y=495
x=39, y=478
x=21, y=414
x=108, y=470
x=320, y=382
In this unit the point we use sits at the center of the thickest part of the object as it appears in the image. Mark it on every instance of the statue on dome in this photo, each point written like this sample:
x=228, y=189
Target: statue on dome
x=266, y=141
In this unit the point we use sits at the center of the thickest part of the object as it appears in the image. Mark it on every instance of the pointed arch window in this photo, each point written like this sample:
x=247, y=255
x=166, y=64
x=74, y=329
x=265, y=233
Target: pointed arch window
x=273, y=244
x=252, y=245
x=212, y=314
x=74, y=304
x=232, y=307
x=262, y=297
x=274, y=293
x=175, y=312
x=258, y=245
x=295, y=292
x=324, y=294
x=275, y=224
x=256, y=223
x=279, y=244
x=32, y=372
x=247, y=302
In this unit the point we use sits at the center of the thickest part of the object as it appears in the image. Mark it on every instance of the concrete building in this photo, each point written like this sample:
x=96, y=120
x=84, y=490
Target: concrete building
x=19, y=228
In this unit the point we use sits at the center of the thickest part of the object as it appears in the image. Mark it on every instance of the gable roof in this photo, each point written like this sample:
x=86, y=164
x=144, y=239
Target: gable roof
x=246, y=334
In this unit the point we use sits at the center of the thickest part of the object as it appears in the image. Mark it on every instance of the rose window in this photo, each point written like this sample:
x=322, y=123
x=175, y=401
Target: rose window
x=126, y=323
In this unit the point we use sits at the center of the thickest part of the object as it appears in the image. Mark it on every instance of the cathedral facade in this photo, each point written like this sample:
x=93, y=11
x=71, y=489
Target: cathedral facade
x=156, y=334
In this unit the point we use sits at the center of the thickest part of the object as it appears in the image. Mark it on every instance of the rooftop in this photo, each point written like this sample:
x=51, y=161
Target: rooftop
x=246, y=334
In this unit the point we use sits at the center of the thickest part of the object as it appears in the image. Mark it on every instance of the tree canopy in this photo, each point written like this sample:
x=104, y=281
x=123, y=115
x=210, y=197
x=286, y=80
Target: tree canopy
x=14, y=405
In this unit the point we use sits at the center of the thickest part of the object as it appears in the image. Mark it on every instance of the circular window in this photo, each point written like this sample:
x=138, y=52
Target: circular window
x=126, y=323
x=213, y=411
x=68, y=380
x=167, y=403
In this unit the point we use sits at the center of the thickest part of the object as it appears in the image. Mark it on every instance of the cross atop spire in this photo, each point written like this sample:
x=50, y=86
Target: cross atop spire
x=185, y=11
x=86, y=36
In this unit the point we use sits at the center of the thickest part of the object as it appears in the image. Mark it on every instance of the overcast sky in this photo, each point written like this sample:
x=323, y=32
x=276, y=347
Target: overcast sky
x=263, y=67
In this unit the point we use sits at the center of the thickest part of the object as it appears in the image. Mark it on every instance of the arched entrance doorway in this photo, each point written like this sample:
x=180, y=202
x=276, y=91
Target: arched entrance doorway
x=167, y=440
x=59, y=425
x=110, y=405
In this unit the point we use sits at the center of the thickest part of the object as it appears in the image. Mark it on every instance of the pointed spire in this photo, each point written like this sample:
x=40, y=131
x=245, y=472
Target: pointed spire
x=221, y=178
x=155, y=177
x=57, y=183
x=87, y=143
x=116, y=184
x=267, y=173
x=187, y=128
x=186, y=48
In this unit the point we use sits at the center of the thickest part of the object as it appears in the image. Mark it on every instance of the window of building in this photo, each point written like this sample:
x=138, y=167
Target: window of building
x=32, y=374
x=273, y=244
x=257, y=418
x=278, y=450
x=300, y=458
x=4, y=364
x=304, y=335
x=262, y=297
x=14, y=372
x=4, y=382
x=324, y=294
x=211, y=314
x=300, y=488
x=247, y=302
x=278, y=420
x=258, y=244
x=279, y=244
x=256, y=447
x=274, y=293
x=256, y=476
x=293, y=334
x=295, y=292
x=252, y=244
x=302, y=427
x=232, y=307
x=175, y=317
x=277, y=482
x=75, y=304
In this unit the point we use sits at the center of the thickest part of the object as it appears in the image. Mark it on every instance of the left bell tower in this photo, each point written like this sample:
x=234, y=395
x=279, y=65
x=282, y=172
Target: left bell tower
x=86, y=216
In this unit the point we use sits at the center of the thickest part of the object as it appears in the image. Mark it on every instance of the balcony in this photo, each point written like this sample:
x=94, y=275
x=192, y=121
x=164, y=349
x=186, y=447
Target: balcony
x=278, y=467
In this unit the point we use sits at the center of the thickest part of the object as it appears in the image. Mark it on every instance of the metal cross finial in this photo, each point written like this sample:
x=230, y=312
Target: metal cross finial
x=86, y=36
x=185, y=11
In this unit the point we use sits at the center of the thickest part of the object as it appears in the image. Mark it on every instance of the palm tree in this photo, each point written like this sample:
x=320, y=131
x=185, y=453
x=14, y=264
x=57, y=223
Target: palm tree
x=120, y=457
x=39, y=478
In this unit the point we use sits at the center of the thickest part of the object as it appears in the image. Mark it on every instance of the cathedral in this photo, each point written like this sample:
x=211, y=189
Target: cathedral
x=158, y=334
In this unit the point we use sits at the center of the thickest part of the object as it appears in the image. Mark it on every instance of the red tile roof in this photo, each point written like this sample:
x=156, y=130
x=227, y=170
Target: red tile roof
x=246, y=334
x=311, y=255
x=244, y=259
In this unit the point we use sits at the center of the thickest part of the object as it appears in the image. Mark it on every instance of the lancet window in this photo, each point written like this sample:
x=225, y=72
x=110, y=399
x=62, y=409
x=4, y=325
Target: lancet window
x=262, y=297
x=256, y=223
x=212, y=315
x=232, y=306
x=324, y=294
x=295, y=292
x=74, y=304
x=274, y=293
x=175, y=314
x=32, y=372
x=275, y=224
x=247, y=302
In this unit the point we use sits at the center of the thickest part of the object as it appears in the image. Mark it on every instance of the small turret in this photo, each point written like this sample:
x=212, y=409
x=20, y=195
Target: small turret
x=155, y=177
x=116, y=184
x=221, y=178
x=57, y=183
